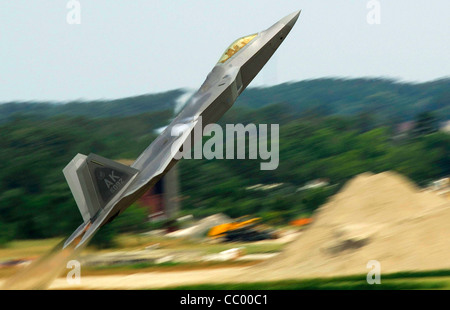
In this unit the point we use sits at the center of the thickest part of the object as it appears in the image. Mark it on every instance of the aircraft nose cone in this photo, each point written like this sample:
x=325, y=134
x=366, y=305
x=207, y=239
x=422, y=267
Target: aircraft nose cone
x=291, y=19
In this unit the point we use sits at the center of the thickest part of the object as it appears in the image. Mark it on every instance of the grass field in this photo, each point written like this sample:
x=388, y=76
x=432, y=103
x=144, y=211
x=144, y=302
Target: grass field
x=438, y=279
x=32, y=249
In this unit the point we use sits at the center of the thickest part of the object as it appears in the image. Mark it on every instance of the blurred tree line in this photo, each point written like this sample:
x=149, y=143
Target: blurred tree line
x=391, y=100
x=35, y=201
x=315, y=147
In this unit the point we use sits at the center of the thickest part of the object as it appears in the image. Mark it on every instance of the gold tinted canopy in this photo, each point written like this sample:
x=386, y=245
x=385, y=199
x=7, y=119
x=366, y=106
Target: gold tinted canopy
x=236, y=46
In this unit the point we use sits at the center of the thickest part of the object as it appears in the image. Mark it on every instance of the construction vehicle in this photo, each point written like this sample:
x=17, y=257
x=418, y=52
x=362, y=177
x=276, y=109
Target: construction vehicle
x=301, y=222
x=242, y=229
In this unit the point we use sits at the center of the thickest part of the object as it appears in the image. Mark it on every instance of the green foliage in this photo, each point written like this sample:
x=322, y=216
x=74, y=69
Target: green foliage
x=6, y=233
x=370, y=99
x=425, y=124
x=331, y=129
x=434, y=279
x=133, y=219
x=323, y=284
x=99, y=108
x=375, y=98
x=34, y=196
x=332, y=148
x=104, y=238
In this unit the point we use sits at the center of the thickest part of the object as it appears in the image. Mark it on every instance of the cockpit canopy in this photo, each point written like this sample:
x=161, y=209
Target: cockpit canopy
x=235, y=47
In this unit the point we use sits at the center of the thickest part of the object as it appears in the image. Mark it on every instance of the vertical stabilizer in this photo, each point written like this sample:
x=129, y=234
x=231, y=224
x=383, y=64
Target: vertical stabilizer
x=95, y=181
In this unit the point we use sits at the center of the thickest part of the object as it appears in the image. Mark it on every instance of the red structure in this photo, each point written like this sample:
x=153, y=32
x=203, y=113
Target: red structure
x=162, y=200
x=154, y=201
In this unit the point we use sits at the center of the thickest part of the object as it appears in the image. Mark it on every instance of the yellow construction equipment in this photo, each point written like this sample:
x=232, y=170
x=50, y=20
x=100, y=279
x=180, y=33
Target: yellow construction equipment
x=242, y=229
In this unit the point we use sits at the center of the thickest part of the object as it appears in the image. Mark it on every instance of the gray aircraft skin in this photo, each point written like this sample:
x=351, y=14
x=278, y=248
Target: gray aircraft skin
x=103, y=188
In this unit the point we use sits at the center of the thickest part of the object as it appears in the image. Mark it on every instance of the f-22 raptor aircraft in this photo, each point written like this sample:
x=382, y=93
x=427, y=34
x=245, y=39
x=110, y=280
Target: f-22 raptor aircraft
x=103, y=188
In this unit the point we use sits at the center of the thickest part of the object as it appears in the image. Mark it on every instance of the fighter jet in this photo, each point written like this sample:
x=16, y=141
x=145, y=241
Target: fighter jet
x=103, y=188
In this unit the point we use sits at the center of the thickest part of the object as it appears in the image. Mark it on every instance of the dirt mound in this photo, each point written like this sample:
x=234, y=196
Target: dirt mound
x=381, y=217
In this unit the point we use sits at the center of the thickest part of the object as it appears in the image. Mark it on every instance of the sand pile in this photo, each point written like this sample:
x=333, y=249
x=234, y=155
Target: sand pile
x=381, y=217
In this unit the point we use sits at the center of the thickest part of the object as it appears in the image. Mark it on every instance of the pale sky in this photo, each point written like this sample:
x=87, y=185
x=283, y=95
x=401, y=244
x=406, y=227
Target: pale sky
x=131, y=47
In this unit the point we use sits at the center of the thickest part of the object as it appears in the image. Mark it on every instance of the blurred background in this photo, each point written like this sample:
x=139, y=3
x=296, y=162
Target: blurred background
x=353, y=100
